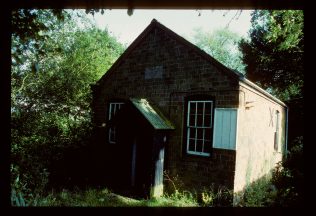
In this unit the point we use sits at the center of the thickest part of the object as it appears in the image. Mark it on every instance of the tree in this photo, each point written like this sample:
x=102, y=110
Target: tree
x=221, y=44
x=28, y=28
x=50, y=93
x=274, y=54
x=74, y=58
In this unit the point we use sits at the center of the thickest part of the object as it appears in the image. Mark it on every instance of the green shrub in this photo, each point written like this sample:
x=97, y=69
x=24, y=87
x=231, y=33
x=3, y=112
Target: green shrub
x=285, y=188
x=38, y=141
x=288, y=177
x=220, y=197
x=259, y=194
x=208, y=197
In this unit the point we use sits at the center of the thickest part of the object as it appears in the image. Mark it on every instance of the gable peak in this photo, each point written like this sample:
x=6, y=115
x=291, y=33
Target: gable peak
x=154, y=21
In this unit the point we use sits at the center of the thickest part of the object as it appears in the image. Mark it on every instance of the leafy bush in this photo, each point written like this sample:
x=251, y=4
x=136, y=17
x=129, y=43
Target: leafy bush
x=37, y=145
x=285, y=188
x=288, y=177
x=259, y=194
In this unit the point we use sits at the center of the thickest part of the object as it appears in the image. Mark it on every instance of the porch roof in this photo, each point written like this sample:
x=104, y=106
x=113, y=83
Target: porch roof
x=155, y=118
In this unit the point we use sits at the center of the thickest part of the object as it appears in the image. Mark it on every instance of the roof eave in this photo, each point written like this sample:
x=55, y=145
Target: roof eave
x=164, y=123
x=259, y=89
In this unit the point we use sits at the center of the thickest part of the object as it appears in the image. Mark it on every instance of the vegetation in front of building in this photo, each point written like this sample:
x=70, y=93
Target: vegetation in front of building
x=50, y=115
x=285, y=188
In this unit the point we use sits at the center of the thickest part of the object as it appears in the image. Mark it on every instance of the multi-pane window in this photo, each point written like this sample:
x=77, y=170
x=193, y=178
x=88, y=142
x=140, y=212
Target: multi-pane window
x=199, y=127
x=276, y=132
x=113, y=109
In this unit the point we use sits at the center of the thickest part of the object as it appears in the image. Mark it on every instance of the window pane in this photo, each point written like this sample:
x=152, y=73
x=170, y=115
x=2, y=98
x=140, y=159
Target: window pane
x=110, y=111
x=192, y=120
x=207, y=146
x=199, y=120
x=113, y=109
x=192, y=133
x=200, y=129
x=192, y=108
x=207, y=121
x=207, y=134
x=208, y=108
x=199, y=133
x=191, y=145
x=200, y=107
x=275, y=141
x=112, y=134
x=199, y=145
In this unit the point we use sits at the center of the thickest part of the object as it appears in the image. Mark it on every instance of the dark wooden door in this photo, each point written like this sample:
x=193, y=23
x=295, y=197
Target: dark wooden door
x=141, y=164
x=141, y=153
x=135, y=147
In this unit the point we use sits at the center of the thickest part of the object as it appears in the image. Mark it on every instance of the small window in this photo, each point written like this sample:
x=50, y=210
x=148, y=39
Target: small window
x=199, y=127
x=276, y=132
x=113, y=109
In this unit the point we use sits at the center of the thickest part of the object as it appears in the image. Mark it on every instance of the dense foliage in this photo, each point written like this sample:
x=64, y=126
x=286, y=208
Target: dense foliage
x=274, y=59
x=288, y=177
x=50, y=95
x=285, y=189
x=274, y=54
x=28, y=28
x=221, y=44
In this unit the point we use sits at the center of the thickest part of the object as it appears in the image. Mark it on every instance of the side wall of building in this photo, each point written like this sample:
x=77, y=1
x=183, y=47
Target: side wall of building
x=257, y=123
x=164, y=71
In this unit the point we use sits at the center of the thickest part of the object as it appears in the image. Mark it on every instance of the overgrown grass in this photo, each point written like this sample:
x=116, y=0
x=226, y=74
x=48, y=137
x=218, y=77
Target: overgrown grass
x=103, y=197
x=285, y=188
x=106, y=198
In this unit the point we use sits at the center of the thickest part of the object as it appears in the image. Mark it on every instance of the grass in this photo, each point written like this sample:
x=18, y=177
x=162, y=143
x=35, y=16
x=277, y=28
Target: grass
x=258, y=194
x=106, y=198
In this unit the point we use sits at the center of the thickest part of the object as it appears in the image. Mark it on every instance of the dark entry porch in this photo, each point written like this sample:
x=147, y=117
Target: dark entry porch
x=141, y=138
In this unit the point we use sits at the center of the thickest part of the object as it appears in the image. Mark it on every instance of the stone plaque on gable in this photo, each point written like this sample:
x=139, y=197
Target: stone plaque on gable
x=154, y=72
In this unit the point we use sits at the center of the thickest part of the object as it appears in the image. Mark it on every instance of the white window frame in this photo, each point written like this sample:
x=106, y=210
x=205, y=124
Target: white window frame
x=198, y=127
x=113, y=108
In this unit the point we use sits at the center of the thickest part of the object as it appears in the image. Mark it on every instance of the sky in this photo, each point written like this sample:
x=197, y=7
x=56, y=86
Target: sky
x=183, y=22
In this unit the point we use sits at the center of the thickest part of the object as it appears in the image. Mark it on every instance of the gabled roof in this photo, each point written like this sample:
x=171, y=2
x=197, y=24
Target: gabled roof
x=158, y=121
x=155, y=24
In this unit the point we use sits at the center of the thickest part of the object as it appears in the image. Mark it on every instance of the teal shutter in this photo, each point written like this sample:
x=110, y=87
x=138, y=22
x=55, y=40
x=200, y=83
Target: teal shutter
x=225, y=128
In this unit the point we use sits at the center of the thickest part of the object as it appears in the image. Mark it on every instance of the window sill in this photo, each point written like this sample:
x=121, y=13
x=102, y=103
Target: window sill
x=198, y=154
